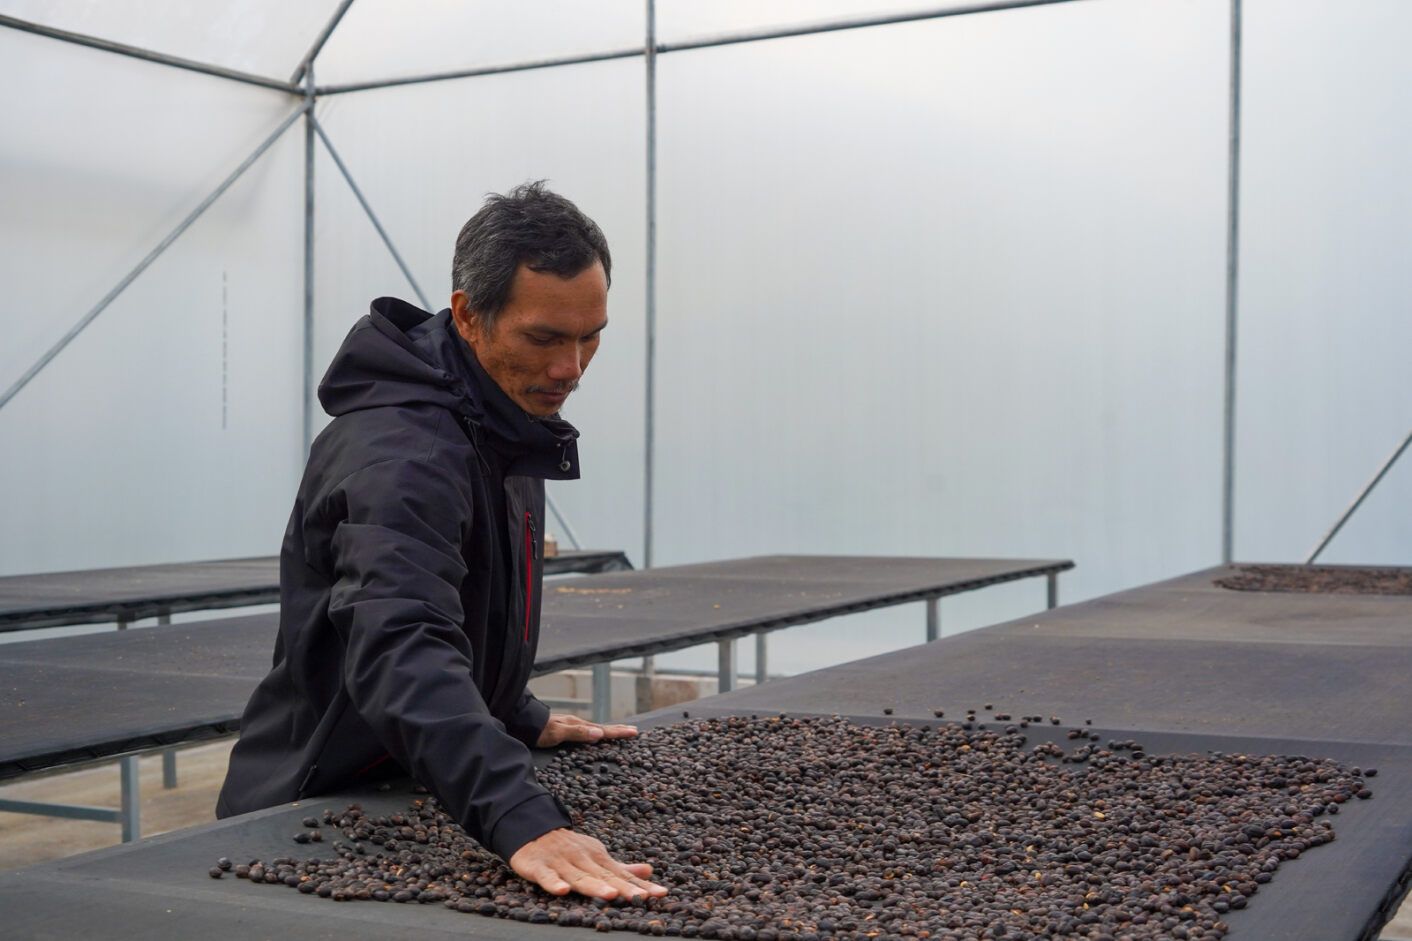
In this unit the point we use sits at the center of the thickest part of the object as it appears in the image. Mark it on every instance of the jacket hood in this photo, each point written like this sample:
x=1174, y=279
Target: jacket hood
x=401, y=355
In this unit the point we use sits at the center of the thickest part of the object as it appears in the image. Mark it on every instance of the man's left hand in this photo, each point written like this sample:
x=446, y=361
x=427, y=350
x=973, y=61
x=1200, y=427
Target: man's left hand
x=566, y=728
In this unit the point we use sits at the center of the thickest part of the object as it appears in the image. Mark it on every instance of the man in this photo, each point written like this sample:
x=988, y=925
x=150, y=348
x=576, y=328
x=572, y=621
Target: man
x=411, y=568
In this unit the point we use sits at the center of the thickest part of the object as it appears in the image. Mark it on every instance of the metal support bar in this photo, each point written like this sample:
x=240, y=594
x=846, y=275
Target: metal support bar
x=726, y=670
x=650, y=352
x=372, y=216
x=323, y=37
x=164, y=617
x=854, y=23
x=486, y=70
x=124, y=621
x=1052, y=591
x=933, y=619
x=602, y=692
x=131, y=812
x=308, y=348
x=1232, y=270
x=1358, y=500
x=147, y=55
x=563, y=521
x=761, y=658
x=66, y=811
x=169, y=769
x=152, y=256
x=704, y=43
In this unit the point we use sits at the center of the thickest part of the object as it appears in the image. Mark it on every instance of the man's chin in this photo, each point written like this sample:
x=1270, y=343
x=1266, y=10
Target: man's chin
x=541, y=405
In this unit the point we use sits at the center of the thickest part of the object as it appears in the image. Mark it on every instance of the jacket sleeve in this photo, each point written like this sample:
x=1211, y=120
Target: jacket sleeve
x=530, y=718
x=396, y=602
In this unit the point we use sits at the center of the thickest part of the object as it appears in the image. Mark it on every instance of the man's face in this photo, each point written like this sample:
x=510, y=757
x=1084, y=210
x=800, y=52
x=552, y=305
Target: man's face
x=543, y=339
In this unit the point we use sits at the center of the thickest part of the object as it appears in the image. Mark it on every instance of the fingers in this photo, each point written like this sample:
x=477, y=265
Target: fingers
x=582, y=732
x=630, y=878
x=562, y=861
x=546, y=877
x=565, y=728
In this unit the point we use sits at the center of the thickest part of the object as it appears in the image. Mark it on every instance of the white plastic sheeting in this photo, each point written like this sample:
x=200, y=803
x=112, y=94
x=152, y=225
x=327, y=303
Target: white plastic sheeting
x=1326, y=280
x=942, y=287
x=395, y=38
x=165, y=430
x=944, y=305
x=263, y=37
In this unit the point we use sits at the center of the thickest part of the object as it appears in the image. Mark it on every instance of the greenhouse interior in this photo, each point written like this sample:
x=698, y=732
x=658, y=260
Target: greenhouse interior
x=986, y=516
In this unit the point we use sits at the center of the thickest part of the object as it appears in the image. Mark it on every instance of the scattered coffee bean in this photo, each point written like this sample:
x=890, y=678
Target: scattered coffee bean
x=854, y=833
x=1363, y=580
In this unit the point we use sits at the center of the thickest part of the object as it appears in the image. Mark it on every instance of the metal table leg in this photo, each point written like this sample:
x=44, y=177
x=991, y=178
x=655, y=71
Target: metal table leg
x=933, y=619
x=1053, y=595
x=602, y=692
x=727, y=670
x=132, y=799
x=761, y=654
x=169, y=771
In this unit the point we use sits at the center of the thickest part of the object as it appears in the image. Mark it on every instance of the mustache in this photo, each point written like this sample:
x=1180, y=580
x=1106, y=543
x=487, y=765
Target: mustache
x=559, y=389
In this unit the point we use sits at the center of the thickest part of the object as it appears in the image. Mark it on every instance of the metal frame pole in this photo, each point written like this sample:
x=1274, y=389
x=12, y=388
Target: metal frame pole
x=762, y=672
x=1358, y=500
x=602, y=692
x=306, y=63
x=152, y=256
x=726, y=672
x=131, y=812
x=704, y=43
x=1051, y=596
x=146, y=55
x=372, y=216
x=650, y=391
x=933, y=618
x=1232, y=272
x=308, y=398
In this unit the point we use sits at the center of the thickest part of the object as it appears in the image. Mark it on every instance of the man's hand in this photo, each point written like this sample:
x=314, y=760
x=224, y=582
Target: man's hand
x=564, y=728
x=563, y=861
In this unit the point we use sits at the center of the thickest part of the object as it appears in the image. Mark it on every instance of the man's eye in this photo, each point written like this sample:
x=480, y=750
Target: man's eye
x=540, y=341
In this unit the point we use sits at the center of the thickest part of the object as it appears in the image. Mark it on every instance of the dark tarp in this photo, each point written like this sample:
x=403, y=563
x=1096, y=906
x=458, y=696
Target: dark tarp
x=101, y=595
x=72, y=699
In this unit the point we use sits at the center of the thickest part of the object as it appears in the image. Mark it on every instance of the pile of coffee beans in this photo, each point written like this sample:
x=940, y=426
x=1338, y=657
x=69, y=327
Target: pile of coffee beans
x=1320, y=579
x=802, y=829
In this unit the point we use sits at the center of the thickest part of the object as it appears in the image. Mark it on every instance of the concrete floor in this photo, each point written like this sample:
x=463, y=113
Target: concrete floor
x=26, y=840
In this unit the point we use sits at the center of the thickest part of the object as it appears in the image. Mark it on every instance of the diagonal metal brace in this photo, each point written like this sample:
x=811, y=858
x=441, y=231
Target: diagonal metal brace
x=1358, y=500
x=152, y=256
x=372, y=216
x=146, y=55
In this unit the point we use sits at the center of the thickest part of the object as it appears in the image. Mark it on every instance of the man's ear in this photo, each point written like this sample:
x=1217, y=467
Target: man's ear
x=467, y=323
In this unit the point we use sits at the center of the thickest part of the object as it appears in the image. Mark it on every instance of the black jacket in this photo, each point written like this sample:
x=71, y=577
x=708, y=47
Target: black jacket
x=410, y=589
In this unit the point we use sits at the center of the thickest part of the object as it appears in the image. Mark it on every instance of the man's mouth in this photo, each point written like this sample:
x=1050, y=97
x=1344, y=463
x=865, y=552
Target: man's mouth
x=549, y=395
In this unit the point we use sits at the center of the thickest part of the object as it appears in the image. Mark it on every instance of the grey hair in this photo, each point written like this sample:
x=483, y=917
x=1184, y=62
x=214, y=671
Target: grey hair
x=530, y=225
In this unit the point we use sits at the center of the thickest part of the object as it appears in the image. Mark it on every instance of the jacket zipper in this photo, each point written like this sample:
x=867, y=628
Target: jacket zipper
x=529, y=572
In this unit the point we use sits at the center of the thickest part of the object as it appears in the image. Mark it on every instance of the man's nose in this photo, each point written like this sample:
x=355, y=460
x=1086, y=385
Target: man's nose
x=567, y=366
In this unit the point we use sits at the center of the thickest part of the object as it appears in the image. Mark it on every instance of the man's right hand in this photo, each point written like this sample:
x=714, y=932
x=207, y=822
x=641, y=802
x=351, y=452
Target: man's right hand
x=564, y=861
